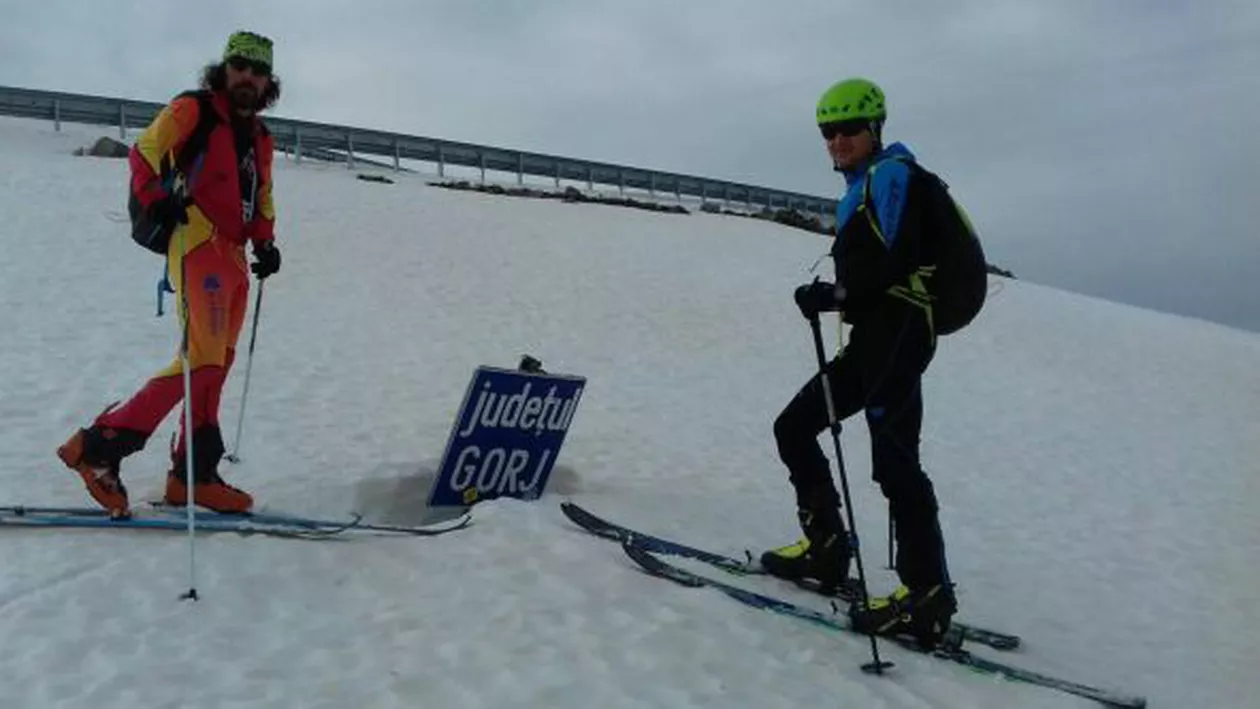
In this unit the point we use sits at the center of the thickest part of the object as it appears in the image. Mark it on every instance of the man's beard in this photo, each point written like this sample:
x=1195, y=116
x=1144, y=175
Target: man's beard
x=245, y=98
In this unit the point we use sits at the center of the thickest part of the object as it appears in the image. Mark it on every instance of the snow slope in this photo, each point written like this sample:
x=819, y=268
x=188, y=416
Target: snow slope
x=1096, y=465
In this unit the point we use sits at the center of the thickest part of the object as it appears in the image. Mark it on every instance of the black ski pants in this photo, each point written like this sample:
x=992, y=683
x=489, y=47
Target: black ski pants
x=879, y=372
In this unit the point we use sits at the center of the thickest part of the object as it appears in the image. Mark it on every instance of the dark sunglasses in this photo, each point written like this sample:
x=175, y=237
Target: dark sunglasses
x=253, y=65
x=847, y=128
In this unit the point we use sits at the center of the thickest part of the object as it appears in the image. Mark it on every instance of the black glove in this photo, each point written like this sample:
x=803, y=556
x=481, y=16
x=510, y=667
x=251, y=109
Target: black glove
x=814, y=298
x=266, y=259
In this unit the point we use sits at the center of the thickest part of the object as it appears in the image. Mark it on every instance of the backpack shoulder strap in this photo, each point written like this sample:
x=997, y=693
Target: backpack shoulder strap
x=912, y=165
x=867, y=206
x=207, y=119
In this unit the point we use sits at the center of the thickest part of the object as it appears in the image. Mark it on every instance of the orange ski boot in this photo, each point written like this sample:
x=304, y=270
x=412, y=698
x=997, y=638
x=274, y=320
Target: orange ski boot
x=214, y=494
x=209, y=489
x=96, y=454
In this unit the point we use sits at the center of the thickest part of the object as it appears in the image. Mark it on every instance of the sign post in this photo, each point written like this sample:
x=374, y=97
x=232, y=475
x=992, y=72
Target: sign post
x=506, y=438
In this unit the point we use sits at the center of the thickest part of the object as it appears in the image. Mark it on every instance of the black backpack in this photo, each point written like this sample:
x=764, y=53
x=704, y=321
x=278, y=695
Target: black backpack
x=147, y=229
x=956, y=274
x=960, y=281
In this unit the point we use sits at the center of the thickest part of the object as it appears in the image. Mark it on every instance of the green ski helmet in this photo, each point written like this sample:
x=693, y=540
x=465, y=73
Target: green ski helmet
x=852, y=99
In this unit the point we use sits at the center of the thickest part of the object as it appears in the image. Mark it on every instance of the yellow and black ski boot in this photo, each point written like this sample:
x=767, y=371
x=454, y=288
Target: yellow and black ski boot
x=923, y=614
x=820, y=559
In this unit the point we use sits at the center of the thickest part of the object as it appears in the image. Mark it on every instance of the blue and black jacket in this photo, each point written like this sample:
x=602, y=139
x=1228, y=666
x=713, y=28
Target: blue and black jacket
x=879, y=246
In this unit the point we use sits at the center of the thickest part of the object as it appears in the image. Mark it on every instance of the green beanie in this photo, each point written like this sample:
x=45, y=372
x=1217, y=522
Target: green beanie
x=248, y=45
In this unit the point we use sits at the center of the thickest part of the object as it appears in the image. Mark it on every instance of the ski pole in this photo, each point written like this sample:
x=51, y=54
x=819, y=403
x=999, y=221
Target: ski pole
x=892, y=531
x=191, y=594
x=876, y=666
x=234, y=456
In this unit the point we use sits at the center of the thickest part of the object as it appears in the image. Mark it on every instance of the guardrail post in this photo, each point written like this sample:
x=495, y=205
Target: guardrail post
x=57, y=114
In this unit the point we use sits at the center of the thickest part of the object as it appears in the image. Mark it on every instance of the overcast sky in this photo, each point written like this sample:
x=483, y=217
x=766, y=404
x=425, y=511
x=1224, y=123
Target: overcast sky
x=1105, y=146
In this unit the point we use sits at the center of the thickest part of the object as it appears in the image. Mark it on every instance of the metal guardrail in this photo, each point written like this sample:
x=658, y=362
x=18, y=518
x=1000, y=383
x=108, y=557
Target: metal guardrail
x=299, y=136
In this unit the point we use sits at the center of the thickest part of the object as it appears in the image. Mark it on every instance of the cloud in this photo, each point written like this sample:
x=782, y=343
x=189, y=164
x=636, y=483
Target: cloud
x=1106, y=147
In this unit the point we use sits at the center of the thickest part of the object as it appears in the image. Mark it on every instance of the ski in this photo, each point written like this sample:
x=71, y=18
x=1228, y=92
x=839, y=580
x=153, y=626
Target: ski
x=167, y=510
x=162, y=522
x=615, y=532
x=951, y=649
x=608, y=530
x=159, y=516
x=427, y=530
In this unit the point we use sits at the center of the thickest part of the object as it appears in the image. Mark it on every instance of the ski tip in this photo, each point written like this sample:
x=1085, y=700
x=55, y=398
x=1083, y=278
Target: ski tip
x=570, y=508
x=640, y=555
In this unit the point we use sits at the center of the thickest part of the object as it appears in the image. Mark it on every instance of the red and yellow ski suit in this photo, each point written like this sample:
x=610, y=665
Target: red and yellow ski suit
x=206, y=262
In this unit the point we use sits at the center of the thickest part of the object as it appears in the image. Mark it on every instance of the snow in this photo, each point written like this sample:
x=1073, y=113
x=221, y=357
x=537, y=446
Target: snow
x=1096, y=466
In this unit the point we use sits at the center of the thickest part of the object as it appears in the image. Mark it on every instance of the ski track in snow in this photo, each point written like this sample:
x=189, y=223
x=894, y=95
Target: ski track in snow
x=1095, y=463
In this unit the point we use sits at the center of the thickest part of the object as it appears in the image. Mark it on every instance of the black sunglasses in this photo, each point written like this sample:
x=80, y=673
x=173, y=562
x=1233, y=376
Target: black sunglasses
x=253, y=65
x=848, y=128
